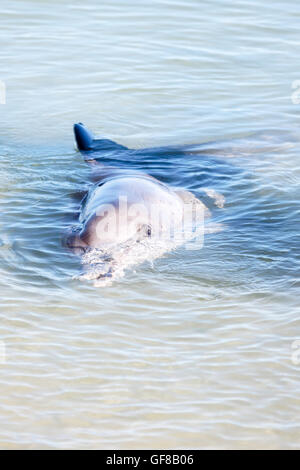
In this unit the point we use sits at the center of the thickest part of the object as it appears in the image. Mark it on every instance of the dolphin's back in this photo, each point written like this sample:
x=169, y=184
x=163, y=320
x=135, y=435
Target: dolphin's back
x=86, y=142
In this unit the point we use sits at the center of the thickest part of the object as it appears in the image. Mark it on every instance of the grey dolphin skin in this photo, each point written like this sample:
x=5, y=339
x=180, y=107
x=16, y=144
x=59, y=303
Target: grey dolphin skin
x=124, y=204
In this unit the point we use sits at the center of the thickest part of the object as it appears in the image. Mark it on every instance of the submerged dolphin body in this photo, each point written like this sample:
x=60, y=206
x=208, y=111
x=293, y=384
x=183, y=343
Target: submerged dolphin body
x=126, y=212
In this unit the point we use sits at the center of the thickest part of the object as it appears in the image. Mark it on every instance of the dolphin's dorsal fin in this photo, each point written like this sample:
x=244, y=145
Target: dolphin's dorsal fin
x=84, y=137
x=86, y=141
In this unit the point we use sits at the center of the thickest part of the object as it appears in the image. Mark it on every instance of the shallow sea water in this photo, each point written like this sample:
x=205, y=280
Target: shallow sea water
x=197, y=349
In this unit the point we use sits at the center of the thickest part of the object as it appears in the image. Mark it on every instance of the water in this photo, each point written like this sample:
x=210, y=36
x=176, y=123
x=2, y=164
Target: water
x=194, y=350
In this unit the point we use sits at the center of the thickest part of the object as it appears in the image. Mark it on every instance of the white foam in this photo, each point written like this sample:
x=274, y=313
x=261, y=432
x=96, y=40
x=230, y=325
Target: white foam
x=105, y=266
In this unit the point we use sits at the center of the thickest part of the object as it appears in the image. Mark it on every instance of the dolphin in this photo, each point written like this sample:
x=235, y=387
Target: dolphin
x=125, y=209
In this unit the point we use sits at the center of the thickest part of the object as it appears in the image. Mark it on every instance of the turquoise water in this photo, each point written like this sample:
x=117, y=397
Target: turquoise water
x=194, y=350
